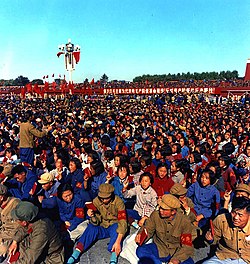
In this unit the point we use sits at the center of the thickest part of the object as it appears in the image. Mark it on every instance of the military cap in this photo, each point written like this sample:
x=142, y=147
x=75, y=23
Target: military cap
x=46, y=178
x=24, y=211
x=7, y=170
x=3, y=189
x=178, y=189
x=169, y=201
x=105, y=190
x=242, y=187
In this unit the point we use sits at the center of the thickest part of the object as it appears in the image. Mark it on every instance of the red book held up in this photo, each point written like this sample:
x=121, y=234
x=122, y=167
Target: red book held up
x=87, y=172
x=110, y=171
x=33, y=190
x=144, y=235
x=212, y=227
x=14, y=257
x=91, y=206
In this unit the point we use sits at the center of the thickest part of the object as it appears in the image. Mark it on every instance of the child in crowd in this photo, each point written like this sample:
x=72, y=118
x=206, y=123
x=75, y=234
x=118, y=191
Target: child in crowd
x=120, y=181
x=97, y=177
x=146, y=199
x=9, y=156
x=135, y=172
x=71, y=210
x=206, y=198
x=176, y=173
x=162, y=182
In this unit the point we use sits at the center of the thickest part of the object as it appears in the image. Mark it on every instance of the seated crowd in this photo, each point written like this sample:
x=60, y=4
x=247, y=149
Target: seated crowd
x=172, y=178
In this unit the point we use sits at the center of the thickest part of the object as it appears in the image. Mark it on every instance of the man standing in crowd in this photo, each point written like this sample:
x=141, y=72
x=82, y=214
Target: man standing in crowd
x=172, y=235
x=7, y=225
x=37, y=240
x=27, y=133
x=231, y=232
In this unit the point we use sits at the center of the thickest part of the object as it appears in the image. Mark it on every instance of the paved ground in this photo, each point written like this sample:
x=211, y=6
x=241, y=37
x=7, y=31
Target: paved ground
x=98, y=254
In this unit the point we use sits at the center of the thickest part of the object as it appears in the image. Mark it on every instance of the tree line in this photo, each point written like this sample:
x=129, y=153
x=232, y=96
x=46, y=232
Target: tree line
x=223, y=75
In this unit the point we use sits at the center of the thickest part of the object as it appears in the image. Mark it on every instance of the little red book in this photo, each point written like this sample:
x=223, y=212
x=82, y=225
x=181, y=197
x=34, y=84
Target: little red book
x=33, y=190
x=87, y=172
x=110, y=171
x=14, y=257
x=212, y=227
x=91, y=206
x=144, y=235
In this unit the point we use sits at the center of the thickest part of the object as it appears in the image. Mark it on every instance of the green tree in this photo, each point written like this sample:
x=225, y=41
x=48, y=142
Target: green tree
x=104, y=78
x=38, y=81
x=21, y=81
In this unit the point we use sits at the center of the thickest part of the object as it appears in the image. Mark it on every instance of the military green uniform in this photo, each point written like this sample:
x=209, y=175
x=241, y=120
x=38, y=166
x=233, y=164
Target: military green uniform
x=233, y=242
x=112, y=213
x=7, y=225
x=40, y=242
x=172, y=237
x=27, y=133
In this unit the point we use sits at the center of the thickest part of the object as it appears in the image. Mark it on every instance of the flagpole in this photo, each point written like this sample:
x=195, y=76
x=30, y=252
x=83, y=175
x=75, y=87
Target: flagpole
x=71, y=56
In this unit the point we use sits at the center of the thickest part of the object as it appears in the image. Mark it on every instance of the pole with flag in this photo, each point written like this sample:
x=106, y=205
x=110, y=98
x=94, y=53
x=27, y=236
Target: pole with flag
x=71, y=54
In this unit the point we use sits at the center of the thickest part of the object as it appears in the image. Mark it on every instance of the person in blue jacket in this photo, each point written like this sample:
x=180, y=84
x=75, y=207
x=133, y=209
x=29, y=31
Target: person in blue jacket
x=46, y=196
x=205, y=198
x=119, y=182
x=76, y=175
x=24, y=183
x=98, y=176
x=71, y=210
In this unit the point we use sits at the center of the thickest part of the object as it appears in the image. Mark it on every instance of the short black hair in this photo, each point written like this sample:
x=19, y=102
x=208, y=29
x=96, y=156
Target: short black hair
x=211, y=176
x=98, y=167
x=136, y=166
x=241, y=203
x=63, y=188
x=148, y=174
x=18, y=169
x=77, y=162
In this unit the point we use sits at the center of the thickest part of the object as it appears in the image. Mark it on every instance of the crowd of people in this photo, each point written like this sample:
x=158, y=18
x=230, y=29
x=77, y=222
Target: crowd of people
x=169, y=84
x=167, y=176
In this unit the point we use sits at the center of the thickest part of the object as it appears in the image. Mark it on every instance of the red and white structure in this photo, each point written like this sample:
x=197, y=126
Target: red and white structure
x=247, y=73
x=71, y=54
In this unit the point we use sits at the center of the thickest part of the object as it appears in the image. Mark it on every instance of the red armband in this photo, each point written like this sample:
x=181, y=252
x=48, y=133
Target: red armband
x=79, y=213
x=186, y=239
x=192, y=210
x=78, y=185
x=122, y=215
x=79, y=246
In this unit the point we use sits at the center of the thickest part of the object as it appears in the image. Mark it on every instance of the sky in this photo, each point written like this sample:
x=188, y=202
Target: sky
x=123, y=39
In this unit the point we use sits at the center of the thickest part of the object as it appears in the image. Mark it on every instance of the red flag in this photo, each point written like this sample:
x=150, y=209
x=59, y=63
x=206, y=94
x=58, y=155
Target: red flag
x=77, y=56
x=93, y=81
x=47, y=76
x=63, y=87
x=29, y=87
x=71, y=87
x=53, y=75
x=42, y=92
x=23, y=91
x=46, y=86
x=54, y=85
x=59, y=54
x=44, y=77
x=37, y=89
